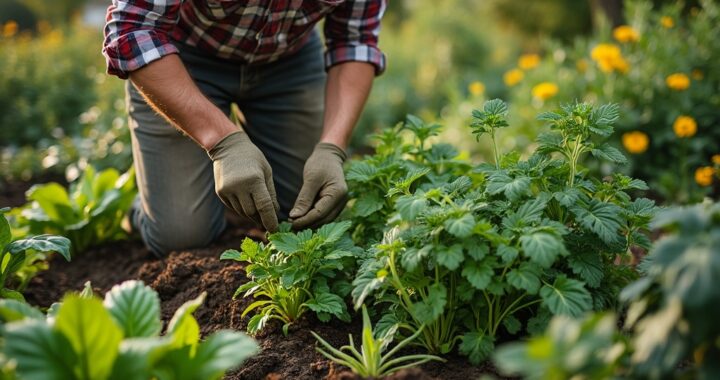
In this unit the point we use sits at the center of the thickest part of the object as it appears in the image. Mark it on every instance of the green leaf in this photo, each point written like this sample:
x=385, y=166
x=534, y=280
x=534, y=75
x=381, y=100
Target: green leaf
x=461, y=227
x=525, y=277
x=92, y=334
x=566, y=296
x=609, y=153
x=183, y=327
x=361, y=171
x=542, y=248
x=257, y=323
x=42, y=243
x=588, y=265
x=433, y=306
x=222, y=351
x=507, y=253
x=231, y=254
x=512, y=188
x=137, y=356
x=5, y=234
x=476, y=346
x=367, y=204
x=604, y=219
x=512, y=324
x=568, y=197
x=532, y=210
x=328, y=303
x=53, y=199
x=13, y=310
x=449, y=257
x=41, y=353
x=332, y=232
x=410, y=206
x=136, y=309
x=412, y=257
x=287, y=242
x=478, y=274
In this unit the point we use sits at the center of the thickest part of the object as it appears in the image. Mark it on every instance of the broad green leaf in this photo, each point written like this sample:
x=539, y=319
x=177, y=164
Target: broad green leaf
x=542, y=248
x=478, y=274
x=287, y=242
x=42, y=243
x=332, y=232
x=449, y=257
x=370, y=277
x=137, y=357
x=512, y=188
x=41, y=352
x=361, y=171
x=5, y=234
x=461, y=227
x=222, y=351
x=183, y=327
x=6, y=293
x=532, y=210
x=588, y=265
x=92, y=334
x=476, y=250
x=367, y=204
x=257, y=323
x=428, y=310
x=328, y=303
x=13, y=310
x=512, y=324
x=410, y=206
x=230, y=254
x=566, y=296
x=568, y=197
x=412, y=257
x=609, y=153
x=53, y=199
x=525, y=277
x=507, y=253
x=604, y=219
x=15, y=261
x=477, y=346
x=136, y=309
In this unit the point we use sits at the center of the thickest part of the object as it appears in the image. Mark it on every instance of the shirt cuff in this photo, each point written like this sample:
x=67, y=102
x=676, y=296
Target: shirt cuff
x=136, y=49
x=355, y=53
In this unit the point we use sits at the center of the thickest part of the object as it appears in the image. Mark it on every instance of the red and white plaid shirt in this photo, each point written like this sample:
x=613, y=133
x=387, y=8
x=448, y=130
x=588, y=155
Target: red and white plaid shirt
x=138, y=32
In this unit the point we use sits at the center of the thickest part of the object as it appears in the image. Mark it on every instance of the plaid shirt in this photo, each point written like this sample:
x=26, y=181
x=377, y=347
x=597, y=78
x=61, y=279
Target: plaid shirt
x=138, y=32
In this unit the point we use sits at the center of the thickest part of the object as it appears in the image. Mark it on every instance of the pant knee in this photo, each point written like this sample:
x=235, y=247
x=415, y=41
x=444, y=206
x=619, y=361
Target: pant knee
x=163, y=237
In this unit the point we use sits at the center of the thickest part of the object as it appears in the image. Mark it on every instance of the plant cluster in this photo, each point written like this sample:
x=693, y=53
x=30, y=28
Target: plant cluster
x=21, y=259
x=297, y=272
x=479, y=251
x=88, y=214
x=86, y=338
x=669, y=330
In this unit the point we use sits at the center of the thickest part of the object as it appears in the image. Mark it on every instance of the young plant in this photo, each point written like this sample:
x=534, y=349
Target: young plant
x=89, y=214
x=296, y=272
x=21, y=259
x=88, y=339
x=370, y=360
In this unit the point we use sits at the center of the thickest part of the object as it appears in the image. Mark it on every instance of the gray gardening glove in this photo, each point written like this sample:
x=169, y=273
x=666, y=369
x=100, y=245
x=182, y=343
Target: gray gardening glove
x=243, y=180
x=324, y=191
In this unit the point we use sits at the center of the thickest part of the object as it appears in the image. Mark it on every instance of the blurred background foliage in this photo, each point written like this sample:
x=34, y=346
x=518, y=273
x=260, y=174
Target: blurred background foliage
x=59, y=112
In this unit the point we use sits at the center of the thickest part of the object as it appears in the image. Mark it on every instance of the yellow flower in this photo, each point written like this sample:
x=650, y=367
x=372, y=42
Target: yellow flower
x=528, y=61
x=545, y=90
x=704, y=175
x=476, y=88
x=684, y=126
x=697, y=74
x=635, y=142
x=716, y=159
x=513, y=77
x=667, y=22
x=625, y=34
x=678, y=81
x=10, y=29
x=609, y=58
x=581, y=65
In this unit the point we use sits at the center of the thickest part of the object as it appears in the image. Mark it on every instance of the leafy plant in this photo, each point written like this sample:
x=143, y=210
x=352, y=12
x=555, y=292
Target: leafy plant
x=21, y=259
x=89, y=214
x=296, y=272
x=370, y=360
x=474, y=252
x=669, y=328
x=116, y=339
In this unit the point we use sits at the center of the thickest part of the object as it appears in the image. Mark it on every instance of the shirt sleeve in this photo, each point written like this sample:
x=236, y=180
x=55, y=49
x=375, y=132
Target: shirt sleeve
x=137, y=32
x=351, y=33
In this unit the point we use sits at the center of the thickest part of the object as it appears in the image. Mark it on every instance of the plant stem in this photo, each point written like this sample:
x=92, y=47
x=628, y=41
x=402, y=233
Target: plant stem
x=495, y=150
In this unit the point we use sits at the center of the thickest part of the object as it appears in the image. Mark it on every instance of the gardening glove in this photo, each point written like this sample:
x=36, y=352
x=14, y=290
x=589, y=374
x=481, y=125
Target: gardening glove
x=324, y=191
x=243, y=180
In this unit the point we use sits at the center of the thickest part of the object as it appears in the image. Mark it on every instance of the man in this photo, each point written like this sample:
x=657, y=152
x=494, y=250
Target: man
x=188, y=60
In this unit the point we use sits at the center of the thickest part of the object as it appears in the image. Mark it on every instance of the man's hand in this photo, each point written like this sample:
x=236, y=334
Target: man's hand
x=243, y=180
x=324, y=191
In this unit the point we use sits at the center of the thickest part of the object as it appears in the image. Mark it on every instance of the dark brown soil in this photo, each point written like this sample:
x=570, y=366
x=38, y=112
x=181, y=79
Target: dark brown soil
x=12, y=193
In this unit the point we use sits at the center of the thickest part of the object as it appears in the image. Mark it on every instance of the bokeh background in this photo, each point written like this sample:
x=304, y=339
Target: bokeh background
x=60, y=112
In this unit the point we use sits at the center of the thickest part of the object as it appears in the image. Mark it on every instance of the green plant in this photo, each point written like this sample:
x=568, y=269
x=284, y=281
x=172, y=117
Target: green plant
x=669, y=328
x=21, y=259
x=296, y=272
x=89, y=214
x=86, y=338
x=370, y=360
x=505, y=246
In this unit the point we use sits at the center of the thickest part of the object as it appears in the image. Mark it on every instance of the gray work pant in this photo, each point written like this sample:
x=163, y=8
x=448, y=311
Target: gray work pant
x=283, y=106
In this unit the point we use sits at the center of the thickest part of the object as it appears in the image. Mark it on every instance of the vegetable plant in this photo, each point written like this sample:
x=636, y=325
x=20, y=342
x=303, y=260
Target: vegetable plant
x=297, y=272
x=504, y=246
x=89, y=214
x=118, y=338
x=21, y=259
x=370, y=361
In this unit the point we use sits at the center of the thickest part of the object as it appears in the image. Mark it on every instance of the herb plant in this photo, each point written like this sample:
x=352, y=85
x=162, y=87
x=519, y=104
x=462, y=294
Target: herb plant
x=89, y=339
x=21, y=259
x=89, y=214
x=370, y=360
x=503, y=246
x=296, y=272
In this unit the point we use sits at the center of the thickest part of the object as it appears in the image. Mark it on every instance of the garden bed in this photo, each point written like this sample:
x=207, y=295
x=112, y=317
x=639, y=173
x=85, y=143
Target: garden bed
x=184, y=275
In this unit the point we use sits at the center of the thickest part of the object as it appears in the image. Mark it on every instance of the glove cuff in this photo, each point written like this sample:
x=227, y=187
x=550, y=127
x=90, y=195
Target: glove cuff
x=332, y=149
x=231, y=139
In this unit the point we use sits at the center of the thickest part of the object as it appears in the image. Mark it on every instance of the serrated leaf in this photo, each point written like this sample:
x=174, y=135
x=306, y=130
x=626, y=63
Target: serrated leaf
x=367, y=204
x=449, y=257
x=332, y=232
x=412, y=257
x=588, y=265
x=476, y=346
x=461, y=227
x=433, y=306
x=542, y=248
x=478, y=274
x=327, y=303
x=512, y=188
x=231, y=254
x=512, y=324
x=136, y=309
x=410, y=206
x=604, y=219
x=568, y=197
x=525, y=277
x=287, y=242
x=507, y=253
x=532, y=210
x=609, y=153
x=566, y=296
x=42, y=243
x=360, y=171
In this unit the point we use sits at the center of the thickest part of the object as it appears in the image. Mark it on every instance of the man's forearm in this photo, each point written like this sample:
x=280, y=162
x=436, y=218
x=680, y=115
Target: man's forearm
x=167, y=86
x=348, y=86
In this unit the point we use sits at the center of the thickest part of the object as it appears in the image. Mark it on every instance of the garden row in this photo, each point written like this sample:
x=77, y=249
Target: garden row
x=443, y=255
